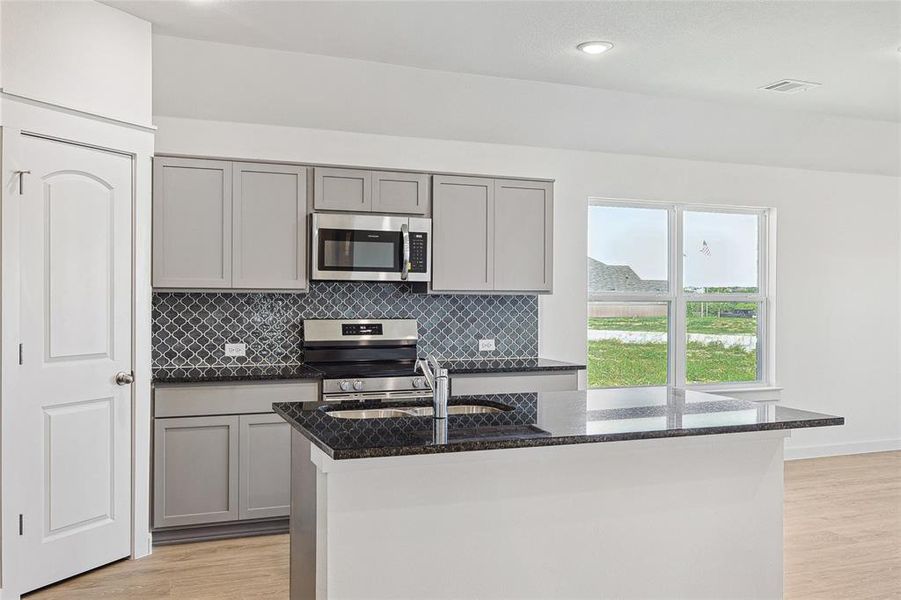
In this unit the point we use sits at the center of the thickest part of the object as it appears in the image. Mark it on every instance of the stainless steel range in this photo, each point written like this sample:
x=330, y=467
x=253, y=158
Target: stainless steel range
x=365, y=359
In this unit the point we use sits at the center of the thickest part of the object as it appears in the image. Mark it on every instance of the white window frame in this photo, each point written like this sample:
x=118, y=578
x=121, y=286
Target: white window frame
x=677, y=298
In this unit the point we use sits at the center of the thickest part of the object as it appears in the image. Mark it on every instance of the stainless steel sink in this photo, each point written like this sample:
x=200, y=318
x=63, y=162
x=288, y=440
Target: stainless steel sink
x=412, y=411
x=373, y=413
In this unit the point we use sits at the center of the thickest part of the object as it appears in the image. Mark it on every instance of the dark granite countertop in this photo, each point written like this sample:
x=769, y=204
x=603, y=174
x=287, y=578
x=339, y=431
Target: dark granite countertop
x=233, y=373
x=236, y=372
x=546, y=419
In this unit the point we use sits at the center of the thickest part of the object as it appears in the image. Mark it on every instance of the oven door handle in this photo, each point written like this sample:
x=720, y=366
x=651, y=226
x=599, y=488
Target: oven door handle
x=405, y=234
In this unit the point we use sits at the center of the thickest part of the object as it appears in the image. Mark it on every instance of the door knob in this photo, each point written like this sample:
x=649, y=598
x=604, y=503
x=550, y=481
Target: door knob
x=124, y=378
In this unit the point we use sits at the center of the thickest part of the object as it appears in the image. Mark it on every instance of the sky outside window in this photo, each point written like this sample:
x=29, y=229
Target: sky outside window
x=719, y=249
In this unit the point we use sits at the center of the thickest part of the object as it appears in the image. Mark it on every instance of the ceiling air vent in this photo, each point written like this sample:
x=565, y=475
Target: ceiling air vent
x=790, y=86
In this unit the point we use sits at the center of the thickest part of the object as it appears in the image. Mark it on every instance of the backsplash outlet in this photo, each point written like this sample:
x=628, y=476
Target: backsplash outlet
x=191, y=329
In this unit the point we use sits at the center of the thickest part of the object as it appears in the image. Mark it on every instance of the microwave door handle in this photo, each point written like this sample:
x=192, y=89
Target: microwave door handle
x=405, y=234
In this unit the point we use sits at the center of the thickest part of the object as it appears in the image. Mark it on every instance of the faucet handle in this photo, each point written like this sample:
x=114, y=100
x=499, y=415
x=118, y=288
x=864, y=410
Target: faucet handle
x=436, y=366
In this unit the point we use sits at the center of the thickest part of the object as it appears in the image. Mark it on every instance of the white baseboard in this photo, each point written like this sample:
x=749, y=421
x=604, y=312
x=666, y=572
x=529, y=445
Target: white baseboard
x=795, y=453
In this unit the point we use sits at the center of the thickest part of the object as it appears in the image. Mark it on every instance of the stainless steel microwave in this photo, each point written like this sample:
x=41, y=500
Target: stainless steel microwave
x=371, y=248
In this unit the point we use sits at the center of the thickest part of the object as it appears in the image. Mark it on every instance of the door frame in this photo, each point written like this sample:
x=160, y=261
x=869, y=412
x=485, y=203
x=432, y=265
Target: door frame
x=46, y=121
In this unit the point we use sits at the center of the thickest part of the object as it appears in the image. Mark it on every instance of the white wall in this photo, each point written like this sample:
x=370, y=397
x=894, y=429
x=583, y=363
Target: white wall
x=839, y=257
x=224, y=82
x=80, y=55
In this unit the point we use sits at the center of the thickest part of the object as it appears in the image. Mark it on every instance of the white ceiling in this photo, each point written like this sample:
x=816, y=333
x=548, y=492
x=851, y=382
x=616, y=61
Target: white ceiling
x=706, y=50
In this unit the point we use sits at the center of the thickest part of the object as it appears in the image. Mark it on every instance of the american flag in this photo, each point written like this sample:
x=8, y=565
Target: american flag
x=705, y=249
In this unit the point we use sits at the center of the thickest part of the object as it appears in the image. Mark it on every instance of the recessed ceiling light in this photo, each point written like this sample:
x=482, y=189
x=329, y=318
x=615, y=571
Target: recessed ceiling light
x=594, y=47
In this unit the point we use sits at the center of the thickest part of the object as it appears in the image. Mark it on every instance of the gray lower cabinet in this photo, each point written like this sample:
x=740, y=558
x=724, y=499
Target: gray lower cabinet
x=342, y=189
x=220, y=453
x=221, y=468
x=265, y=469
x=492, y=235
x=192, y=223
x=269, y=226
x=195, y=470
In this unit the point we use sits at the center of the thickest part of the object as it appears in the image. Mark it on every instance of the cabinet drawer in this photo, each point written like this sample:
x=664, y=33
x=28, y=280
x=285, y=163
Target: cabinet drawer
x=513, y=383
x=195, y=399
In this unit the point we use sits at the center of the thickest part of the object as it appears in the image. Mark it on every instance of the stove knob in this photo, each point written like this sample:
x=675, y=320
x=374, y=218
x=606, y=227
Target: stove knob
x=358, y=385
x=344, y=385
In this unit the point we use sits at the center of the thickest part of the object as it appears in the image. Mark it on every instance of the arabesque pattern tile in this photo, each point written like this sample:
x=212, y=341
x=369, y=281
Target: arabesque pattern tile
x=190, y=329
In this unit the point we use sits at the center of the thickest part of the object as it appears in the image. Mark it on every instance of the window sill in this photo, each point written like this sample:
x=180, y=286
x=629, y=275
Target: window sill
x=736, y=389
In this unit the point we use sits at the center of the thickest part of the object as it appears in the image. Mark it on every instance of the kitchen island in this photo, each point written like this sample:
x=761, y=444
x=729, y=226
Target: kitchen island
x=634, y=493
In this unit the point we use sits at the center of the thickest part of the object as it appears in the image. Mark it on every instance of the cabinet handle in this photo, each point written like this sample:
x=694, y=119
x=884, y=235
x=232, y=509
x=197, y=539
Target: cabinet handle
x=405, y=234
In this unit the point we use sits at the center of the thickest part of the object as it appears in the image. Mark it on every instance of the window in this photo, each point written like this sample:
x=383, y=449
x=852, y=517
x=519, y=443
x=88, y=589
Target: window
x=677, y=295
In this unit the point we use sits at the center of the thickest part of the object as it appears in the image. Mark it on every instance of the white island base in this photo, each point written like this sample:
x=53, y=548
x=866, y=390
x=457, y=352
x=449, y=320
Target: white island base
x=688, y=517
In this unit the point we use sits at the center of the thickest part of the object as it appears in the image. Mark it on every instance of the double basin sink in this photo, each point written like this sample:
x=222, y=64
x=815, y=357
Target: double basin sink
x=411, y=411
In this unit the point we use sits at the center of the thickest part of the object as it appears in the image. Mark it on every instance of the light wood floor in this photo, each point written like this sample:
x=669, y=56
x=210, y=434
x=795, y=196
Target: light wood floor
x=842, y=541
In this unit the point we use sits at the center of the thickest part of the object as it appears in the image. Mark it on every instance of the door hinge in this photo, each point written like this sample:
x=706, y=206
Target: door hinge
x=21, y=524
x=20, y=354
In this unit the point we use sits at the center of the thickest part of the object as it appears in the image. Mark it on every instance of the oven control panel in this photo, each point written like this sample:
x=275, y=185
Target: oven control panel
x=361, y=329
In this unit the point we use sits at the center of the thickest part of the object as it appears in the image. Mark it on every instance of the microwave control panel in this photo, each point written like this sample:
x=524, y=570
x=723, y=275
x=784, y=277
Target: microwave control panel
x=419, y=248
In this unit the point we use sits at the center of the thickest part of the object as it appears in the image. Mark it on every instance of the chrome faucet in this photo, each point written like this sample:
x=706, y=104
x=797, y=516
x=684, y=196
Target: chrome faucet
x=437, y=379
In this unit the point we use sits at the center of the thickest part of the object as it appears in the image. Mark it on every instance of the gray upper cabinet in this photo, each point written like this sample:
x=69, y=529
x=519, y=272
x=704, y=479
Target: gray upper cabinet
x=192, y=222
x=523, y=236
x=357, y=190
x=342, y=189
x=492, y=235
x=195, y=469
x=406, y=193
x=269, y=226
x=265, y=467
x=462, y=231
x=221, y=224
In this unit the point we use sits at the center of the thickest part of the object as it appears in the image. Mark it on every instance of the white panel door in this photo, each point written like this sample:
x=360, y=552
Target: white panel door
x=67, y=299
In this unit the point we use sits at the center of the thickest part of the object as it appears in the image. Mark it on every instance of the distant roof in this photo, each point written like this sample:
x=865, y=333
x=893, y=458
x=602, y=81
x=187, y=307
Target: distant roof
x=618, y=278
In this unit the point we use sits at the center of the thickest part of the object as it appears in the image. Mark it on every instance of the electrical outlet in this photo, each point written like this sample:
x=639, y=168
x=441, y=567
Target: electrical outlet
x=486, y=345
x=236, y=349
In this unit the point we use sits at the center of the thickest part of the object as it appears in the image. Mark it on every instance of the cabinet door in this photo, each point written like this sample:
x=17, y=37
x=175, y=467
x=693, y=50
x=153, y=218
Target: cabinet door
x=195, y=478
x=192, y=223
x=462, y=215
x=265, y=466
x=406, y=193
x=269, y=226
x=342, y=189
x=523, y=236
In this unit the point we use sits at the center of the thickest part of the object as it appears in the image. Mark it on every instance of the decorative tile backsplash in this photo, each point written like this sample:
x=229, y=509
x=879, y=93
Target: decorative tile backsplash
x=190, y=329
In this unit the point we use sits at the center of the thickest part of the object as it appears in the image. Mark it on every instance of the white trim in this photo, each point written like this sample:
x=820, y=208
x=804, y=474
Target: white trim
x=736, y=388
x=802, y=452
x=48, y=121
x=75, y=112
